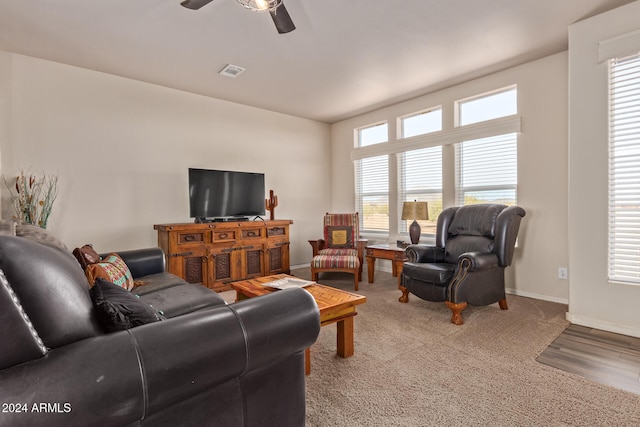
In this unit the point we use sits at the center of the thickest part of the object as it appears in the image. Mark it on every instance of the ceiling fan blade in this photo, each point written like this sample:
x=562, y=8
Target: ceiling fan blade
x=195, y=4
x=283, y=21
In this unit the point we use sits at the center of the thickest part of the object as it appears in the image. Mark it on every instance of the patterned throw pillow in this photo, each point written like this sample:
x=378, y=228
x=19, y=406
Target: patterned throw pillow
x=340, y=236
x=111, y=268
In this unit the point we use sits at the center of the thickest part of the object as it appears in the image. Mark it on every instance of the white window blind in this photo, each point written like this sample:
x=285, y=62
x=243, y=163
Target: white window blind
x=420, y=178
x=624, y=170
x=372, y=193
x=487, y=170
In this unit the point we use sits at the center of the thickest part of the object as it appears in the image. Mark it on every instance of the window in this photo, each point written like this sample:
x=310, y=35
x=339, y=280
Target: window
x=487, y=107
x=420, y=171
x=373, y=135
x=486, y=168
x=420, y=174
x=372, y=182
x=473, y=162
x=421, y=123
x=624, y=170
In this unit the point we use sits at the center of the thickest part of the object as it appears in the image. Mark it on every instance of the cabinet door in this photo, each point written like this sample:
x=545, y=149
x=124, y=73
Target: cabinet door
x=277, y=258
x=221, y=266
x=229, y=264
x=191, y=266
x=251, y=261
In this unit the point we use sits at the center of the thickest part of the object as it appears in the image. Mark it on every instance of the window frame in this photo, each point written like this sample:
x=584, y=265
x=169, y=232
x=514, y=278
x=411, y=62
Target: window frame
x=450, y=135
x=360, y=194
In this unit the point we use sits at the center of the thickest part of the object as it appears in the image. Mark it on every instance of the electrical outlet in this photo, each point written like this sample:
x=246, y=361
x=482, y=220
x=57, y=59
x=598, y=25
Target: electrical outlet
x=563, y=273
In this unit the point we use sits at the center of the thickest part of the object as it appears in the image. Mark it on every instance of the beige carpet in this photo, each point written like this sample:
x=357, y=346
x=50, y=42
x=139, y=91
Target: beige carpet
x=413, y=368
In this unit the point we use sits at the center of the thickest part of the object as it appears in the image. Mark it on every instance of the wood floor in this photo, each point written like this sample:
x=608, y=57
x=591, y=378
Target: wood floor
x=604, y=357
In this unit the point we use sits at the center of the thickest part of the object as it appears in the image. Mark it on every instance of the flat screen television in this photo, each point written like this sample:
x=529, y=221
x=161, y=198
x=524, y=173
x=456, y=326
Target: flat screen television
x=218, y=194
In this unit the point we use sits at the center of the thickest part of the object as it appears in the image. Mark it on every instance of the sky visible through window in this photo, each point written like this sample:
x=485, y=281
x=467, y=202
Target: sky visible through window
x=422, y=123
x=489, y=107
x=373, y=135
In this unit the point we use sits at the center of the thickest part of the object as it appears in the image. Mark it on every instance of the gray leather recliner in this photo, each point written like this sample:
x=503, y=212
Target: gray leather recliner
x=474, y=245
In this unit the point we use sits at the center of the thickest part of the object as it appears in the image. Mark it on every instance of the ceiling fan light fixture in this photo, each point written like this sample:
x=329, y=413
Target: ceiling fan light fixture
x=261, y=5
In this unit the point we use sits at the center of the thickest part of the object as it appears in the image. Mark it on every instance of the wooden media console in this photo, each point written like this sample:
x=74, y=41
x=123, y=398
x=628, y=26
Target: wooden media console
x=216, y=254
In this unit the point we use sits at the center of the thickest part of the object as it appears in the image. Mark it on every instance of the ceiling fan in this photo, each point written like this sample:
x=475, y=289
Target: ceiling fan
x=276, y=9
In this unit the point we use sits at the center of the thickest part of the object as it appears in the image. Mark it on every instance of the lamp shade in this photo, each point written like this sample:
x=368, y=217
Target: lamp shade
x=415, y=210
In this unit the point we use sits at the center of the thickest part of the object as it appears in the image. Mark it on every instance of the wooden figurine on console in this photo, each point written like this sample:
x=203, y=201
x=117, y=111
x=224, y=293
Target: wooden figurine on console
x=271, y=204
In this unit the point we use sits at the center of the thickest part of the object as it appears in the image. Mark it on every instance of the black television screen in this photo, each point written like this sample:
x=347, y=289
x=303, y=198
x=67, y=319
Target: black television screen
x=220, y=194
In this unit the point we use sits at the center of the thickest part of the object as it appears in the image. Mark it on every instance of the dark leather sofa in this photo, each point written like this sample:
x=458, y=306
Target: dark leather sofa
x=207, y=364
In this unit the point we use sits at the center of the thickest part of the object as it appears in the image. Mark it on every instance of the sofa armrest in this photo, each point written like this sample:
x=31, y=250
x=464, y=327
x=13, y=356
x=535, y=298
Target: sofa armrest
x=95, y=381
x=143, y=262
x=205, y=348
x=123, y=377
x=424, y=253
x=317, y=246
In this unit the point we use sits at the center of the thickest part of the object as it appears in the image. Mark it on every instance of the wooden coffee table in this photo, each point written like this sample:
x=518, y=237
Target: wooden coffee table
x=336, y=306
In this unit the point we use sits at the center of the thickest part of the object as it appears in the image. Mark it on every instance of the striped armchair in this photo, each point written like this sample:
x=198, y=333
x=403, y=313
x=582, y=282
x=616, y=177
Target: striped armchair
x=340, y=249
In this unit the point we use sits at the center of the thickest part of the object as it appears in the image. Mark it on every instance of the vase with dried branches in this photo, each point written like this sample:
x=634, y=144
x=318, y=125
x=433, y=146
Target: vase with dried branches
x=32, y=197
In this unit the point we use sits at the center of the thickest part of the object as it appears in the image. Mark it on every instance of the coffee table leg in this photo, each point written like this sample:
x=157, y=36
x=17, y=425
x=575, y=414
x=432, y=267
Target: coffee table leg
x=345, y=337
x=307, y=361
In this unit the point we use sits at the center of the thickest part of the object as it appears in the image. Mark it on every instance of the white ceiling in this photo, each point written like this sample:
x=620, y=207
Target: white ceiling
x=346, y=57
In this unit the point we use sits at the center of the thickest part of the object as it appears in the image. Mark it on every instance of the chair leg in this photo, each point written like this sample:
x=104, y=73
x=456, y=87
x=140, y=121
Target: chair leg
x=456, y=310
x=314, y=275
x=503, y=304
x=405, y=295
x=355, y=280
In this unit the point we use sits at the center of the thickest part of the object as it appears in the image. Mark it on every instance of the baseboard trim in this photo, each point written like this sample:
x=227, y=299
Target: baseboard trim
x=293, y=267
x=387, y=269
x=537, y=296
x=603, y=325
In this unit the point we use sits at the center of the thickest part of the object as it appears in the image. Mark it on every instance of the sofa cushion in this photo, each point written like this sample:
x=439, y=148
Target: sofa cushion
x=436, y=273
x=339, y=252
x=119, y=309
x=186, y=298
x=155, y=282
x=337, y=262
x=113, y=269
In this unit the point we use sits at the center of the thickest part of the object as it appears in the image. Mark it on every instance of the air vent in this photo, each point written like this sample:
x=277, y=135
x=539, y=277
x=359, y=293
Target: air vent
x=231, y=70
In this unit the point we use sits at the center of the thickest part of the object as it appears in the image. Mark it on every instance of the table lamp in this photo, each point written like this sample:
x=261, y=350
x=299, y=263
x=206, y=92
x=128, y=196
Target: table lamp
x=415, y=211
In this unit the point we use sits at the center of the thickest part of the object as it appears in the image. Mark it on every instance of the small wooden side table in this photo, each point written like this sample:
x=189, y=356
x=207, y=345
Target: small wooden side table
x=393, y=253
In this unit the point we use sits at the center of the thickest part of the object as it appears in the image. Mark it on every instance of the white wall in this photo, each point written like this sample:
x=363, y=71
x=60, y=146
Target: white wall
x=592, y=300
x=122, y=148
x=542, y=166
